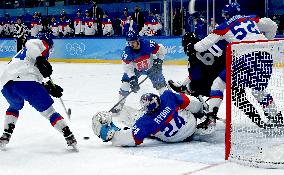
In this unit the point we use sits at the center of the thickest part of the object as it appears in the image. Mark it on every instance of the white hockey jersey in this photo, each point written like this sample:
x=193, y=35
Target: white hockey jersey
x=239, y=28
x=89, y=26
x=22, y=66
x=78, y=25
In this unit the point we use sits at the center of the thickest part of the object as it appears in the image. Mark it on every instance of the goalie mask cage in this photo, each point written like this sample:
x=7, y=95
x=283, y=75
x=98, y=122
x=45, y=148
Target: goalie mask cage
x=252, y=140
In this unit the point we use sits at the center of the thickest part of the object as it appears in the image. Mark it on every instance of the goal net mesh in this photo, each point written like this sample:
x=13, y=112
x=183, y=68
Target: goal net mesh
x=255, y=100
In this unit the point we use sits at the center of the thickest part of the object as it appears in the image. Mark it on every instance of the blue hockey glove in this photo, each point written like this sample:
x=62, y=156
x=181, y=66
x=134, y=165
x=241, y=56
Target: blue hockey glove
x=134, y=84
x=157, y=66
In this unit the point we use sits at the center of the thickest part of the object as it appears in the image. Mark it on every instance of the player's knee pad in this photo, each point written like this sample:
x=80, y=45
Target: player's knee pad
x=47, y=113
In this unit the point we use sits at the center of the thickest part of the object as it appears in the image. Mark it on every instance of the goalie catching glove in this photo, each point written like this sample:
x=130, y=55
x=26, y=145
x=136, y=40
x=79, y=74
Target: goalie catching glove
x=53, y=89
x=43, y=66
x=103, y=126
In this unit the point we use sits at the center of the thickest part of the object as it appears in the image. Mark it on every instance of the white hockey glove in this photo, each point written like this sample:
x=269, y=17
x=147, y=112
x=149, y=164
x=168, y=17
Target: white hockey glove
x=102, y=125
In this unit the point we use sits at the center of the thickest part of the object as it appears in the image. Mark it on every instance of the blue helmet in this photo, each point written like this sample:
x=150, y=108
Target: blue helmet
x=131, y=36
x=150, y=102
x=47, y=38
x=231, y=9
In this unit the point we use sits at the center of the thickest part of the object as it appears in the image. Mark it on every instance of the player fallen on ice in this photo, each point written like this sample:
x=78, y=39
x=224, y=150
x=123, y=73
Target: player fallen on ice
x=238, y=28
x=169, y=118
x=22, y=80
x=141, y=57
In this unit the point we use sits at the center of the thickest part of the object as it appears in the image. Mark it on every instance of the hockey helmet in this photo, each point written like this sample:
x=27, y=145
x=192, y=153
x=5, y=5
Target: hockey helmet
x=231, y=9
x=131, y=36
x=150, y=103
x=189, y=37
x=47, y=38
x=188, y=41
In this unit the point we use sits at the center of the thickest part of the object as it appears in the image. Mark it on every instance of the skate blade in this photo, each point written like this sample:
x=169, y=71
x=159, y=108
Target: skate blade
x=3, y=147
x=74, y=148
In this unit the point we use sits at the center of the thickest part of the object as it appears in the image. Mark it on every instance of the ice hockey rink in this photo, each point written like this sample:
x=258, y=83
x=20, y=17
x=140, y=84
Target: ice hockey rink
x=37, y=148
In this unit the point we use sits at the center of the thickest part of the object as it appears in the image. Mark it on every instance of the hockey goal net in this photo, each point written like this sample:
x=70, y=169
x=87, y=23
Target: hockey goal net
x=254, y=101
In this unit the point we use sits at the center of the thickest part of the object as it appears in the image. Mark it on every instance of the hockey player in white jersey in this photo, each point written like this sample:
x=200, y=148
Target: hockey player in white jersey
x=241, y=28
x=168, y=118
x=22, y=80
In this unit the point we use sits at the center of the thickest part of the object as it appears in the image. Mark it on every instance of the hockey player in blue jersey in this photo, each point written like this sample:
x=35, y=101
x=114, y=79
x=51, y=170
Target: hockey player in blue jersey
x=203, y=69
x=141, y=57
x=168, y=118
x=243, y=28
x=22, y=80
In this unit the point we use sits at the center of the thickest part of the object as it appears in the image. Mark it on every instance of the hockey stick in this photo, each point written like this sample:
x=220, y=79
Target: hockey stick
x=68, y=112
x=127, y=94
x=200, y=98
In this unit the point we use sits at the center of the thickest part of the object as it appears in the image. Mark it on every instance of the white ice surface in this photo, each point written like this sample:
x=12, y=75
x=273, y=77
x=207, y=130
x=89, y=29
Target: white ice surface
x=36, y=148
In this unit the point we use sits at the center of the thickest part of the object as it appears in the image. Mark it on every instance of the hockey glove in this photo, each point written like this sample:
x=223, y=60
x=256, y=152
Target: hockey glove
x=43, y=66
x=157, y=66
x=53, y=89
x=134, y=84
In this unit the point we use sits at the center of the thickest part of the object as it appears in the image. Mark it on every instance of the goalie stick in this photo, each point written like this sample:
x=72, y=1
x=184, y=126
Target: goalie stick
x=68, y=112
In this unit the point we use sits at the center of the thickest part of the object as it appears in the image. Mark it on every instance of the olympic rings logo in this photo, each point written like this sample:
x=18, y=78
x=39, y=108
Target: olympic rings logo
x=75, y=48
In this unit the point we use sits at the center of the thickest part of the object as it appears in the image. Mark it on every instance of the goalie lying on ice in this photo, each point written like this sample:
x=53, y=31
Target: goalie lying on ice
x=169, y=118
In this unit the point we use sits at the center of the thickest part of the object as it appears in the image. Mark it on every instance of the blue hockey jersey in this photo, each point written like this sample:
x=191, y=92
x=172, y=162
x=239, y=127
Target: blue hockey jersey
x=170, y=123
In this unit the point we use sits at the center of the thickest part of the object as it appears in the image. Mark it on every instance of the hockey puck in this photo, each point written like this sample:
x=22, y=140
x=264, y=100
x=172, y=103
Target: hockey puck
x=86, y=138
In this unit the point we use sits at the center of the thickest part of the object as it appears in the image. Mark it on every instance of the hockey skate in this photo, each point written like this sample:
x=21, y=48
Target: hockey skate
x=70, y=139
x=4, y=140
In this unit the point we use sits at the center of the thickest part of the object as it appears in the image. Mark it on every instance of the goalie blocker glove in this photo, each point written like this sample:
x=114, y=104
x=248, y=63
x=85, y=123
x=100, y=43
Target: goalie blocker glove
x=134, y=84
x=43, y=66
x=53, y=89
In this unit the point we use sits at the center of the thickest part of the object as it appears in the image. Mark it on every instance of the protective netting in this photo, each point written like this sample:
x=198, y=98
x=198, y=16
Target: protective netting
x=255, y=93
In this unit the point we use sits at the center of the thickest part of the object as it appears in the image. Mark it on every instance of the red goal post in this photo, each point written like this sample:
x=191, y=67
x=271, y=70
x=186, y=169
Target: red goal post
x=246, y=142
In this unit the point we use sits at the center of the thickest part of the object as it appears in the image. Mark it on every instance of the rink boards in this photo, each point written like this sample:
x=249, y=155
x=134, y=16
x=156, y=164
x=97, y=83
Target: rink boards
x=96, y=50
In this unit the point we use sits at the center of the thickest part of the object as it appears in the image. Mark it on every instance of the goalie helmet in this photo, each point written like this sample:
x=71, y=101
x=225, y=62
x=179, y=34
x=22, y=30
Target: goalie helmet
x=150, y=102
x=231, y=9
x=99, y=119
